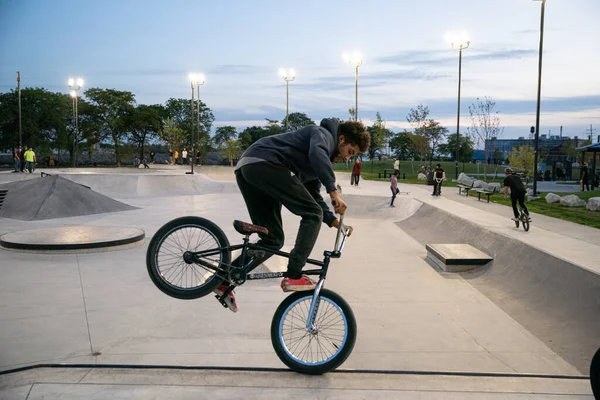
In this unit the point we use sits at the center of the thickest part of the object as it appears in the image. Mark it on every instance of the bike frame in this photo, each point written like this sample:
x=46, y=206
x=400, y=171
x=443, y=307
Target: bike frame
x=196, y=257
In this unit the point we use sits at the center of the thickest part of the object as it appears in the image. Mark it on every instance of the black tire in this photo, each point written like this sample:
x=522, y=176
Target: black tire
x=525, y=223
x=595, y=375
x=170, y=231
x=329, y=301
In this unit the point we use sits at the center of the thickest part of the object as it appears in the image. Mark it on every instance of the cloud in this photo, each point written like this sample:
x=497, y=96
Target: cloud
x=230, y=69
x=443, y=57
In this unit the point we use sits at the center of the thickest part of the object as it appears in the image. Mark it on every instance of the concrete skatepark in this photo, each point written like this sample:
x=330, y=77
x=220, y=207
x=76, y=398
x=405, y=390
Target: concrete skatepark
x=524, y=327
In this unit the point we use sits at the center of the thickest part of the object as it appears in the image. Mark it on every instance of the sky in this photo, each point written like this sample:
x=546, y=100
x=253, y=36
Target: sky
x=149, y=47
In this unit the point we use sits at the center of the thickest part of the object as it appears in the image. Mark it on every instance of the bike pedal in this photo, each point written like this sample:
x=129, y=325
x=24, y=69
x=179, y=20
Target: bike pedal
x=221, y=301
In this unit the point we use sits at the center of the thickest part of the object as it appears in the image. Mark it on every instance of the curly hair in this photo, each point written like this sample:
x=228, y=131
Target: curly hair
x=355, y=133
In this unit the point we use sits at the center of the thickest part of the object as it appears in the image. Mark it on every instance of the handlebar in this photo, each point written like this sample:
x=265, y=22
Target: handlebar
x=341, y=229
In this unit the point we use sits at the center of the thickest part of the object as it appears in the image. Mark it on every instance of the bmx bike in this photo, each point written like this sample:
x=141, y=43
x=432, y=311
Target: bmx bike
x=523, y=219
x=312, y=332
x=438, y=187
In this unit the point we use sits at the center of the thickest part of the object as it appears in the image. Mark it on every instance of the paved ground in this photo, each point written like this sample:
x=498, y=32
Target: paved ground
x=101, y=308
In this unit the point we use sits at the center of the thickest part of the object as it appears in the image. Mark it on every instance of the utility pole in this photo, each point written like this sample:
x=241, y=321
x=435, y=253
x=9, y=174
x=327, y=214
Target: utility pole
x=20, y=129
x=590, y=132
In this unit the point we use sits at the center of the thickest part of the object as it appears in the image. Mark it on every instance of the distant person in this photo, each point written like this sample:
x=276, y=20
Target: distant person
x=152, y=156
x=171, y=156
x=51, y=161
x=394, y=187
x=145, y=162
x=17, y=159
x=440, y=174
x=184, y=156
x=136, y=162
x=355, y=177
x=198, y=154
x=397, y=166
x=30, y=160
x=22, y=157
x=176, y=156
x=584, y=180
x=517, y=192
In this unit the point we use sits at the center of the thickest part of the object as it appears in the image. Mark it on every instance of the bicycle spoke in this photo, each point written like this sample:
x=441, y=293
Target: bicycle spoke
x=318, y=347
x=174, y=269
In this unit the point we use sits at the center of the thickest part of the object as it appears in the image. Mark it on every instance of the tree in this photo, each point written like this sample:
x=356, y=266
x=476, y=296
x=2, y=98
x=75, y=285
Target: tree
x=223, y=134
x=46, y=119
x=114, y=109
x=297, y=120
x=232, y=149
x=378, y=133
x=171, y=134
x=485, y=125
x=419, y=145
x=252, y=133
x=465, y=152
x=146, y=123
x=352, y=113
x=522, y=158
x=401, y=146
x=180, y=110
x=434, y=132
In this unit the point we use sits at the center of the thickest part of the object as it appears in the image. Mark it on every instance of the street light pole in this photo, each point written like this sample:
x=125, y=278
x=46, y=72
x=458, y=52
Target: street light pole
x=193, y=82
x=539, y=93
x=75, y=86
x=199, y=82
x=357, y=61
x=460, y=46
x=19, y=90
x=288, y=76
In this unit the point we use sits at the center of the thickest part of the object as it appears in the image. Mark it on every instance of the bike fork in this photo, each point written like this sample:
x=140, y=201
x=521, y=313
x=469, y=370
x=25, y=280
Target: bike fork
x=314, y=308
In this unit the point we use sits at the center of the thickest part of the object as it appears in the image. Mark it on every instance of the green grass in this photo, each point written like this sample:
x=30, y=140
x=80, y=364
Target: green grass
x=578, y=215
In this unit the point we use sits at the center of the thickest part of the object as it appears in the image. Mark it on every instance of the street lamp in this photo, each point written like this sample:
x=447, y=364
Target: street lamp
x=539, y=93
x=288, y=76
x=196, y=80
x=356, y=60
x=75, y=85
x=200, y=81
x=461, y=42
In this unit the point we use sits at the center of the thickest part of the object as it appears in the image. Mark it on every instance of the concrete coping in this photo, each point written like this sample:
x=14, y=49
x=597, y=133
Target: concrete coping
x=456, y=257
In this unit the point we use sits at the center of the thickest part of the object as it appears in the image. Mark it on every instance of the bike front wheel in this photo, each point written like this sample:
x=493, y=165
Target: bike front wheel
x=525, y=221
x=321, y=349
x=169, y=263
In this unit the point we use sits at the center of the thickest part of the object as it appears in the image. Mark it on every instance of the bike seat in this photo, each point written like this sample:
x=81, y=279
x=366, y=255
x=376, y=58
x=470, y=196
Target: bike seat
x=245, y=228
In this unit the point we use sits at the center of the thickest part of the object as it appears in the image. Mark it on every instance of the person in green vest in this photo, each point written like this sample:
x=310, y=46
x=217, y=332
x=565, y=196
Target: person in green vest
x=30, y=160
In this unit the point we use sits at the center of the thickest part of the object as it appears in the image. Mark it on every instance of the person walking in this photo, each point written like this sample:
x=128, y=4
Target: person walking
x=184, y=156
x=152, y=155
x=17, y=159
x=355, y=177
x=30, y=160
x=22, y=157
x=584, y=180
x=394, y=187
x=397, y=166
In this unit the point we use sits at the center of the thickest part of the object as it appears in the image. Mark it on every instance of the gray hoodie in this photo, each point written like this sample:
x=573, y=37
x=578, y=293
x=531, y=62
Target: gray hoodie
x=307, y=152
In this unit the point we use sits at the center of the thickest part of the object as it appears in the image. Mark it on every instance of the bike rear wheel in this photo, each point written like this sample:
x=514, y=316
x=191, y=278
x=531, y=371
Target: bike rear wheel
x=319, y=351
x=595, y=374
x=167, y=263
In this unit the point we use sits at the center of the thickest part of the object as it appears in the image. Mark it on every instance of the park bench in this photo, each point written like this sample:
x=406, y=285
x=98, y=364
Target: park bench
x=465, y=188
x=385, y=172
x=488, y=193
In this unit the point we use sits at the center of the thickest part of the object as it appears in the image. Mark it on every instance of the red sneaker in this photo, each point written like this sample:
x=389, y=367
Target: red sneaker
x=298, y=285
x=230, y=299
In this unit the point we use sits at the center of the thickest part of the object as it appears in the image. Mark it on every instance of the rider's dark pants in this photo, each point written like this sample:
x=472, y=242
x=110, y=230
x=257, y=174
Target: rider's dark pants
x=521, y=198
x=394, y=193
x=266, y=187
x=435, y=186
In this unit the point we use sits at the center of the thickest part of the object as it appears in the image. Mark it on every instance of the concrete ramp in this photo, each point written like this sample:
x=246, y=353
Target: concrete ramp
x=555, y=300
x=54, y=197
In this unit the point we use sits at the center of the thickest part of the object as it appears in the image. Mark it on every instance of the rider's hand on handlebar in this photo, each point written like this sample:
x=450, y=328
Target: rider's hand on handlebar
x=339, y=206
x=336, y=223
